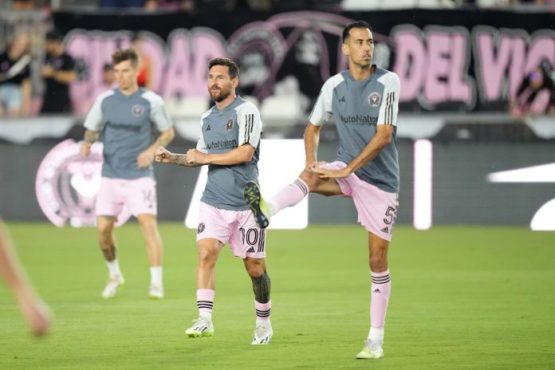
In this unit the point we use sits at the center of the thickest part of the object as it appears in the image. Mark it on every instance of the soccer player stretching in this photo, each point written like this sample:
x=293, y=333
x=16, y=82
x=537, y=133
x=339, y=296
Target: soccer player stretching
x=363, y=103
x=124, y=116
x=229, y=145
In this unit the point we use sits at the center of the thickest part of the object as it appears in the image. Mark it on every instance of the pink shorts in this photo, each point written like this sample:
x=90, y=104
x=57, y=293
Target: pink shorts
x=376, y=209
x=236, y=228
x=138, y=196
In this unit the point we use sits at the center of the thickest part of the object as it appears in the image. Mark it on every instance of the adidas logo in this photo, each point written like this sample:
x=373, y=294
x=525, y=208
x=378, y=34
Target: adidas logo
x=342, y=99
x=208, y=128
x=377, y=290
x=250, y=250
x=385, y=229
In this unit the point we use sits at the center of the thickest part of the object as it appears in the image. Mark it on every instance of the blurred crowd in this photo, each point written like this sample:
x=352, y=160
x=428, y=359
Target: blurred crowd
x=264, y=5
x=36, y=72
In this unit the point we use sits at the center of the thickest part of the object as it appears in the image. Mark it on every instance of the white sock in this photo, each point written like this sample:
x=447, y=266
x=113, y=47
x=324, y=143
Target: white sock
x=376, y=335
x=113, y=268
x=156, y=275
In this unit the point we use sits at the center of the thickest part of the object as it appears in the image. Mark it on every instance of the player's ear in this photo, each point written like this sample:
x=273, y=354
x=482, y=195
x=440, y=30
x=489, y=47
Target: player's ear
x=345, y=49
x=235, y=82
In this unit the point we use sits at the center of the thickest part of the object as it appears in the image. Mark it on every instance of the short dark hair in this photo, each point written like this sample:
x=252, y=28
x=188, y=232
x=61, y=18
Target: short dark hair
x=126, y=54
x=231, y=65
x=355, y=24
x=54, y=35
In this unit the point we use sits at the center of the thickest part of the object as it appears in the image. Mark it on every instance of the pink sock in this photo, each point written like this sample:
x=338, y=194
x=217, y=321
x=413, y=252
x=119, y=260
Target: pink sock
x=381, y=287
x=288, y=196
x=205, y=302
x=263, y=310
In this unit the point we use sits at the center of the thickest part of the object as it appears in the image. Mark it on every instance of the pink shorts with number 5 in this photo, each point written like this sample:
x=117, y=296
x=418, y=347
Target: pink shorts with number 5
x=376, y=209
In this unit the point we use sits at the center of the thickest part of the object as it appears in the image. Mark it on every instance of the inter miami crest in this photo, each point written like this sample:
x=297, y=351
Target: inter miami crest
x=137, y=110
x=374, y=99
x=229, y=125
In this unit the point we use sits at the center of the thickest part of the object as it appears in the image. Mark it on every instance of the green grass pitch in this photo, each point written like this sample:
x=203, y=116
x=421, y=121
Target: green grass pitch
x=462, y=298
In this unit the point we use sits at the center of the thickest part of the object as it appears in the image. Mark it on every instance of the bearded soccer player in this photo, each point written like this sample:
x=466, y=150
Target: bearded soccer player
x=123, y=118
x=363, y=103
x=229, y=145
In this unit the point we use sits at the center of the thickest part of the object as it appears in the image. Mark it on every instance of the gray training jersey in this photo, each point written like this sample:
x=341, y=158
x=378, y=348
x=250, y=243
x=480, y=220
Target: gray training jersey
x=357, y=107
x=237, y=124
x=125, y=125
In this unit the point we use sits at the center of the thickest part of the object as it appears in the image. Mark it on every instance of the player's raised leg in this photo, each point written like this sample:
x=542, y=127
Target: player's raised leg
x=208, y=251
x=107, y=242
x=154, y=249
x=380, y=292
x=257, y=204
x=263, y=210
x=256, y=268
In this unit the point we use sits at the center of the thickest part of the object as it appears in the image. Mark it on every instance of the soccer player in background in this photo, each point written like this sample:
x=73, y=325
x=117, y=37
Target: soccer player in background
x=363, y=103
x=33, y=308
x=124, y=116
x=229, y=145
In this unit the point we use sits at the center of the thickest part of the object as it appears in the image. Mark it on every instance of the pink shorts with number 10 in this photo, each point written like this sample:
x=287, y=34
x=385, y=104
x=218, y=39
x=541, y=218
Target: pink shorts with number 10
x=376, y=209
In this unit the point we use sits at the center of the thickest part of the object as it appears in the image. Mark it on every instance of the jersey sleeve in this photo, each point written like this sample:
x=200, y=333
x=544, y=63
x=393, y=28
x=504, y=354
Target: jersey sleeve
x=389, y=107
x=321, y=112
x=158, y=114
x=250, y=125
x=94, y=121
x=201, y=144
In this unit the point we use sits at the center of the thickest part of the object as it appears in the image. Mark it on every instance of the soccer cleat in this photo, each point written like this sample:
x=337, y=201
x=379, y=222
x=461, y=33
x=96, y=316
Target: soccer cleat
x=370, y=350
x=202, y=327
x=156, y=291
x=258, y=206
x=111, y=288
x=262, y=333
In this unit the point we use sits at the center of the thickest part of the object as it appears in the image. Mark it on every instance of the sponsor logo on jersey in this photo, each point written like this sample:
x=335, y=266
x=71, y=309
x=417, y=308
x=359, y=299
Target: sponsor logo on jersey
x=222, y=144
x=359, y=119
x=374, y=99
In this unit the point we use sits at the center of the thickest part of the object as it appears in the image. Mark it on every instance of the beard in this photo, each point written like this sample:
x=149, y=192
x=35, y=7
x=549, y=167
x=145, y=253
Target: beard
x=219, y=95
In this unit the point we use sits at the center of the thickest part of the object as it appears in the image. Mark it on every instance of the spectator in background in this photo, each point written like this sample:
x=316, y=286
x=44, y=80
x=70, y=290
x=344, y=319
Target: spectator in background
x=144, y=78
x=121, y=3
x=15, y=78
x=187, y=6
x=536, y=93
x=58, y=73
x=107, y=82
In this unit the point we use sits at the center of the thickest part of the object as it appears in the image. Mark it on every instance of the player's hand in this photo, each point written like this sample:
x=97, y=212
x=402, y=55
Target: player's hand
x=311, y=167
x=331, y=173
x=85, y=149
x=145, y=158
x=163, y=155
x=47, y=71
x=36, y=312
x=195, y=157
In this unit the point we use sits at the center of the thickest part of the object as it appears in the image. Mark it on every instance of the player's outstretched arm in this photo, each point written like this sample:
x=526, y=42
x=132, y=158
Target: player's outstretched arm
x=35, y=311
x=88, y=140
x=165, y=156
